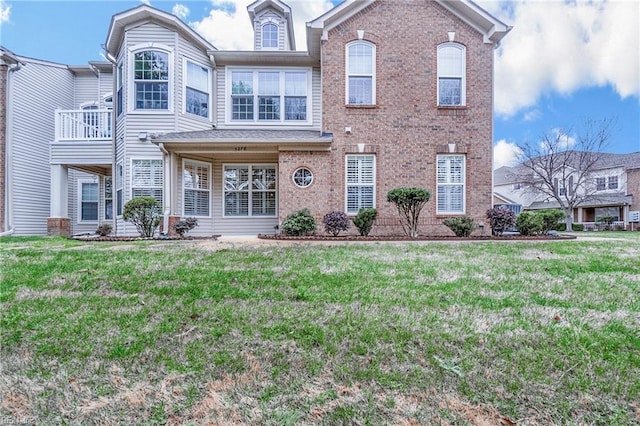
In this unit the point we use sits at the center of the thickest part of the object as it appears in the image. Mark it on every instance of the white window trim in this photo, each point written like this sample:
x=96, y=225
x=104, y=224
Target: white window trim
x=184, y=90
x=131, y=174
x=463, y=184
x=278, y=29
x=255, y=121
x=293, y=177
x=82, y=181
x=210, y=190
x=463, y=84
x=117, y=202
x=373, y=72
x=346, y=184
x=250, y=166
x=103, y=197
x=131, y=86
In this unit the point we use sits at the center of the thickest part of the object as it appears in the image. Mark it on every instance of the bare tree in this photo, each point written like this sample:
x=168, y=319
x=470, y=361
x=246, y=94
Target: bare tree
x=560, y=167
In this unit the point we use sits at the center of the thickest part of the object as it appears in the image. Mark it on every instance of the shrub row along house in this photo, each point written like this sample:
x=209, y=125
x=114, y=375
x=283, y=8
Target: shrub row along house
x=388, y=93
x=601, y=198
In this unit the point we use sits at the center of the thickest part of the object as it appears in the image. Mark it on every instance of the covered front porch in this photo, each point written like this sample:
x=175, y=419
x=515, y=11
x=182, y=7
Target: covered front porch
x=230, y=180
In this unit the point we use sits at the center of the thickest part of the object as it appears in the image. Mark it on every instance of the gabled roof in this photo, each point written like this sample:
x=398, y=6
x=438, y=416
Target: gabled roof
x=258, y=6
x=121, y=21
x=492, y=29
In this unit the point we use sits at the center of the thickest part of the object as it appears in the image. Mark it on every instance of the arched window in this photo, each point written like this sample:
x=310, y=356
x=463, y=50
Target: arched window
x=270, y=36
x=451, y=75
x=361, y=73
x=151, y=78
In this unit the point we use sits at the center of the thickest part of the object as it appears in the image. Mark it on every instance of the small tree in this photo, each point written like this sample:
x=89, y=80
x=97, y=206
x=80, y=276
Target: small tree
x=560, y=167
x=550, y=219
x=364, y=220
x=462, y=226
x=529, y=223
x=336, y=221
x=500, y=219
x=409, y=202
x=144, y=213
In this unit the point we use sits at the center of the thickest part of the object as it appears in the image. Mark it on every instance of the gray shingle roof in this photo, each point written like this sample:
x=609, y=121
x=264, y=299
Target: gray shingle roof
x=505, y=175
x=595, y=201
x=247, y=135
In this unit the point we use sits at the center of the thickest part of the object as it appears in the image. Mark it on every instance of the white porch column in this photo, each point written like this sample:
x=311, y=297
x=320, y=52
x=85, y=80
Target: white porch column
x=59, y=195
x=579, y=214
x=58, y=223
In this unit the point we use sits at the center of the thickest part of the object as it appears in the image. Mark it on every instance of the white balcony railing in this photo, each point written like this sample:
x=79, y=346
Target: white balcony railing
x=83, y=125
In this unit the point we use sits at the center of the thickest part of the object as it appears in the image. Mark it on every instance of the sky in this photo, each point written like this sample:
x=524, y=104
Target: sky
x=565, y=62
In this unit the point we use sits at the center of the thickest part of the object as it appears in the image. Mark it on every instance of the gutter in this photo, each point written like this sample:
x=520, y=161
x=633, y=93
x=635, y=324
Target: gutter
x=8, y=206
x=167, y=187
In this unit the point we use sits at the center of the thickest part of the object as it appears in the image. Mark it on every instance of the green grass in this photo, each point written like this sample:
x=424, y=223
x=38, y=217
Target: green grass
x=430, y=333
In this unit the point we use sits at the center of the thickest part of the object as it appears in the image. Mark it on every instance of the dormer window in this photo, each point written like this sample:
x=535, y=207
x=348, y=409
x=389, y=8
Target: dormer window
x=151, y=79
x=451, y=75
x=270, y=36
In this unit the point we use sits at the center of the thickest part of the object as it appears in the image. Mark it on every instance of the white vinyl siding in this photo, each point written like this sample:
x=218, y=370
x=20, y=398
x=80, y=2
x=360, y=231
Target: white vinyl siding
x=197, y=89
x=451, y=74
x=88, y=200
x=250, y=190
x=450, y=193
x=146, y=179
x=196, y=183
x=361, y=73
x=119, y=189
x=360, y=171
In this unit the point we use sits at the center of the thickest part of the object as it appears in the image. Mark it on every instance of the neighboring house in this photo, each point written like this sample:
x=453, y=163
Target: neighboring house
x=612, y=189
x=387, y=94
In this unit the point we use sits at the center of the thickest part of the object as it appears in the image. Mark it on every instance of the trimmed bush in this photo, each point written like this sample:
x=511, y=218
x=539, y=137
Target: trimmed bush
x=530, y=223
x=364, y=220
x=299, y=223
x=409, y=202
x=336, y=221
x=185, y=225
x=462, y=226
x=576, y=227
x=104, y=229
x=550, y=218
x=500, y=219
x=144, y=213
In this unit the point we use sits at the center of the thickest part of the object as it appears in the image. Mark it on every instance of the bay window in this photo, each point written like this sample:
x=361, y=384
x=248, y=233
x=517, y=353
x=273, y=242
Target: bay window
x=269, y=96
x=151, y=80
x=197, y=89
x=450, y=198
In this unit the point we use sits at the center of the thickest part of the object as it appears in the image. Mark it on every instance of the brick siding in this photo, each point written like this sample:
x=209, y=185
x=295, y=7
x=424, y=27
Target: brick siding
x=405, y=129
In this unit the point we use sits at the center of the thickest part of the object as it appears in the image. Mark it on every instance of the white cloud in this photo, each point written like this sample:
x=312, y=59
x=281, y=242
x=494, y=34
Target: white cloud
x=505, y=154
x=562, y=46
x=228, y=27
x=5, y=12
x=558, y=140
x=180, y=10
x=532, y=115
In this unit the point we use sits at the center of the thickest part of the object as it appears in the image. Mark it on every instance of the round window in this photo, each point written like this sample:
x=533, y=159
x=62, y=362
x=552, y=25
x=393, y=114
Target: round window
x=302, y=177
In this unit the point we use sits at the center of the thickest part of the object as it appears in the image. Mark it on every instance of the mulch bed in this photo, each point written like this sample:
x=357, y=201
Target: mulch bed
x=420, y=238
x=90, y=238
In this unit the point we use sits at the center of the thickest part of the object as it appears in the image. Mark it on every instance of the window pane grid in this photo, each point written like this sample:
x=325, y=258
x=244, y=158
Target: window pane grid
x=269, y=35
x=360, y=74
x=151, y=80
x=269, y=96
x=88, y=201
x=450, y=184
x=256, y=197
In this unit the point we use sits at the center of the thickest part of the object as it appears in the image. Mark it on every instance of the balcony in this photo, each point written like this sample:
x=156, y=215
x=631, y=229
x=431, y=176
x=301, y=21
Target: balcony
x=83, y=125
x=83, y=139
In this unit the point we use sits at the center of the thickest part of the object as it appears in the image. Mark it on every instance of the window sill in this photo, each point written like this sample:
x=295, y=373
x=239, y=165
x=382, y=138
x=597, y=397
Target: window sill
x=357, y=106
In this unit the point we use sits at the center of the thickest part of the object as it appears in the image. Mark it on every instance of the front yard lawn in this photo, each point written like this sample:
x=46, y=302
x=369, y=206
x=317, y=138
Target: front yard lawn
x=429, y=333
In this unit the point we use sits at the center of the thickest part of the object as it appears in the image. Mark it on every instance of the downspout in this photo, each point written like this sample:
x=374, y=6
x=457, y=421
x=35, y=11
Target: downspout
x=114, y=114
x=8, y=207
x=167, y=188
